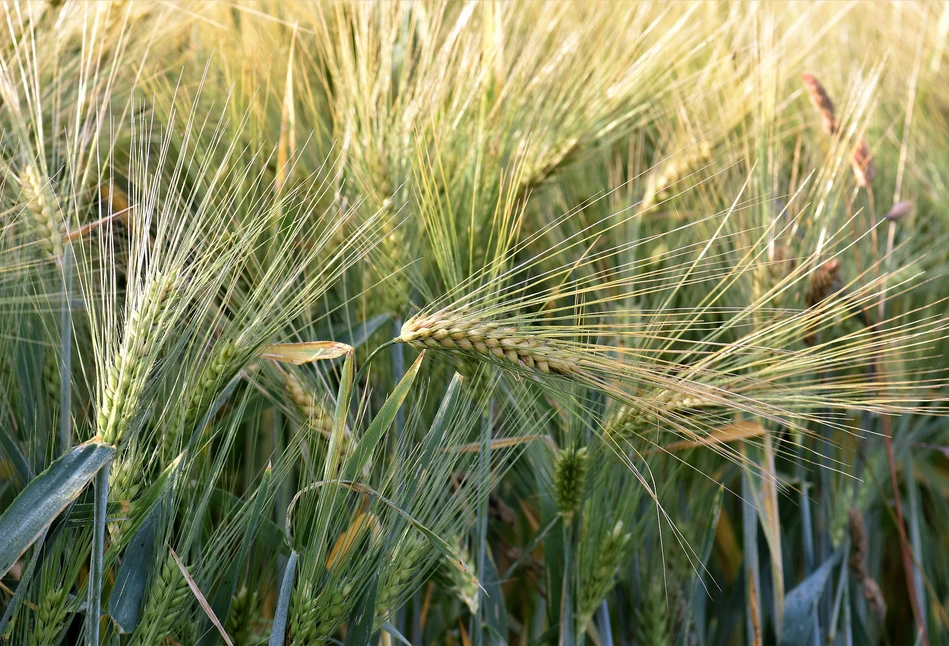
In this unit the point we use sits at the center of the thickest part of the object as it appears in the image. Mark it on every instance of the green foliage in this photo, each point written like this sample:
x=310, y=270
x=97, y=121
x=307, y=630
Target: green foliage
x=668, y=287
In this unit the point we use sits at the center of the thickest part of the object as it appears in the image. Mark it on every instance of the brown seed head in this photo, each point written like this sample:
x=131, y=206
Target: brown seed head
x=898, y=211
x=821, y=101
x=826, y=281
x=864, y=169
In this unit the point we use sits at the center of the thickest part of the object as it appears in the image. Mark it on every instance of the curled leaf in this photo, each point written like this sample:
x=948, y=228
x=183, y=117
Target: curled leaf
x=306, y=352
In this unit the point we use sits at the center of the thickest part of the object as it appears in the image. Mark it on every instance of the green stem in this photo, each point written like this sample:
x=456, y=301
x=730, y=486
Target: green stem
x=93, y=611
x=372, y=355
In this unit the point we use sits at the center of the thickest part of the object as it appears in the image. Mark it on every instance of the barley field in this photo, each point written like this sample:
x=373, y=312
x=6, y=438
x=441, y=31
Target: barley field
x=474, y=323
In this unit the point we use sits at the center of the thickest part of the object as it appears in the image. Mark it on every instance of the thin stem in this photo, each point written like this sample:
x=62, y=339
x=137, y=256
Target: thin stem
x=905, y=549
x=372, y=355
x=93, y=611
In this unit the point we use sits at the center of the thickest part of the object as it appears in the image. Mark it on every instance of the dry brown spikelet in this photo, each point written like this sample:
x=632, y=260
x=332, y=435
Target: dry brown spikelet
x=864, y=169
x=898, y=211
x=826, y=281
x=821, y=101
x=859, y=550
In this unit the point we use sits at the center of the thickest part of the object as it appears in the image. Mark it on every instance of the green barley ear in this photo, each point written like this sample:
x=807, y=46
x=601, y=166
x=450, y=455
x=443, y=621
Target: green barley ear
x=599, y=577
x=654, y=620
x=242, y=616
x=570, y=474
x=169, y=592
x=318, y=616
x=128, y=366
x=44, y=210
x=50, y=617
x=397, y=577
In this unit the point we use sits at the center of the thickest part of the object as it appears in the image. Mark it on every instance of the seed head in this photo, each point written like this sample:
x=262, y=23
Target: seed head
x=451, y=331
x=570, y=475
x=898, y=211
x=821, y=101
x=864, y=169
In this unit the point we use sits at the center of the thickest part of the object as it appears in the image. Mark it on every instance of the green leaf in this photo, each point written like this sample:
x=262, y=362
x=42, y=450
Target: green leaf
x=392, y=630
x=49, y=537
x=94, y=605
x=801, y=602
x=12, y=450
x=495, y=612
x=125, y=602
x=46, y=496
x=358, y=333
x=438, y=430
x=346, y=384
x=363, y=616
x=23, y=585
x=382, y=421
x=269, y=532
x=279, y=629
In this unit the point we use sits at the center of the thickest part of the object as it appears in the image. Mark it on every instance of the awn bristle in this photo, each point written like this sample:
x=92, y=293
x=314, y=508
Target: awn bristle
x=127, y=368
x=859, y=551
x=821, y=101
x=864, y=170
x=44, y=209
x=446, y=330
